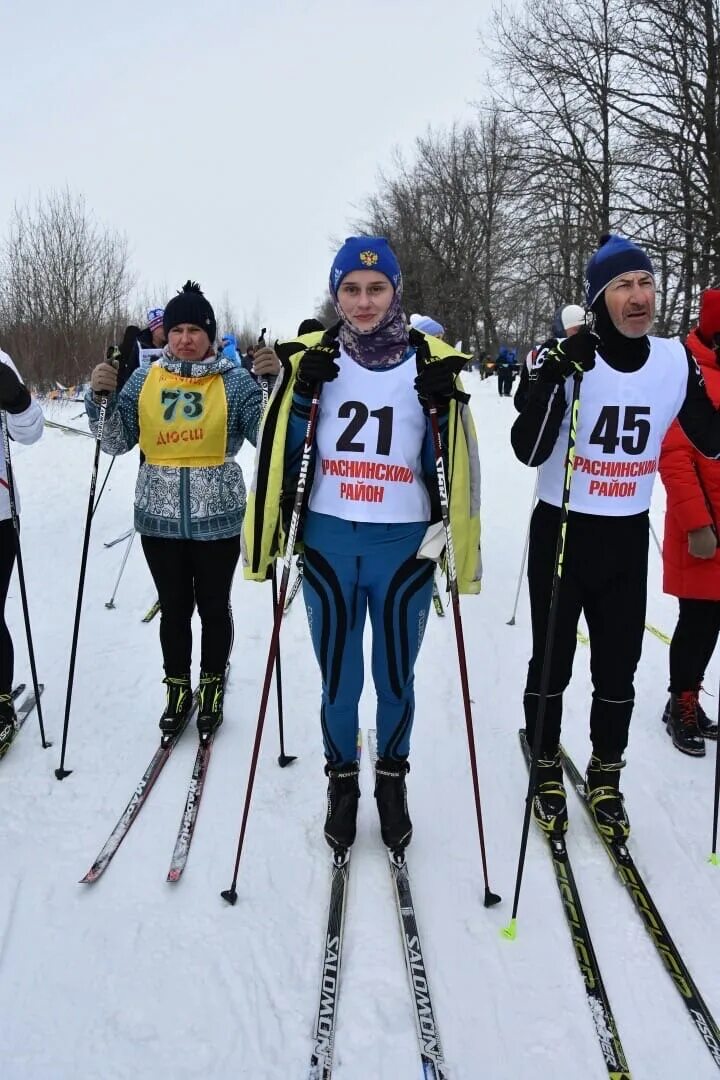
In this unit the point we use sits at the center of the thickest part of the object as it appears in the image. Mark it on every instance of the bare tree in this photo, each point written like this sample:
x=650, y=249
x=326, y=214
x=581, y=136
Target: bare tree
x=64, y=286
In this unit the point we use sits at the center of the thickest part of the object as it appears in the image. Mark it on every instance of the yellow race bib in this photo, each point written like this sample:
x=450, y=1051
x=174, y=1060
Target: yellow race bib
x=183, y=422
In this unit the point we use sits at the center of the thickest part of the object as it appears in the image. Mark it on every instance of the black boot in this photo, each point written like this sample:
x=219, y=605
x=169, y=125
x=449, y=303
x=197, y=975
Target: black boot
x=607, y=805
x=550, y=803
x=7, y=723
x=391, y=799
x=210, y=703
x=179, y=702
x=343, y=795
x=682, y=723
x=708, y=727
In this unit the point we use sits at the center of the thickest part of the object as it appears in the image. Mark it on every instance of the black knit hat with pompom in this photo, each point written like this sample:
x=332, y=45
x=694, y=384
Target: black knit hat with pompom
x=190, y=306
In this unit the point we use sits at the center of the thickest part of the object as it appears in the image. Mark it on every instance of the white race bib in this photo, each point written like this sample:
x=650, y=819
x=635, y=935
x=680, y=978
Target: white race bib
x=369, y=441
x=623, y=418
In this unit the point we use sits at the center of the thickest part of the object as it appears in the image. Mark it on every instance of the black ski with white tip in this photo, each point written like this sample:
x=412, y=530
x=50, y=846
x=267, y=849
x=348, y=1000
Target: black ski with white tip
x=431, y=1054
x=597, y=998
x=192, y=806
x=653, y=922
x=321, y=1059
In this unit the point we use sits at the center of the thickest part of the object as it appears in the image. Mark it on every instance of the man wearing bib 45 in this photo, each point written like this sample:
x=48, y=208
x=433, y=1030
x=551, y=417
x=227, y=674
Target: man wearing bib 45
x=190, y=412
x=373, y=499
x=633, y=387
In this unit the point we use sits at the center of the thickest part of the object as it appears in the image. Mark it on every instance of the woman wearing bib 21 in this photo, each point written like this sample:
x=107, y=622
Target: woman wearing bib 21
x=190, y=412
x=372, y=500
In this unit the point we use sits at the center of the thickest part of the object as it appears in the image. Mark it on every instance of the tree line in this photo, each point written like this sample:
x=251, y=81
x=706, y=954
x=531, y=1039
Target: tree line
x=601, y=115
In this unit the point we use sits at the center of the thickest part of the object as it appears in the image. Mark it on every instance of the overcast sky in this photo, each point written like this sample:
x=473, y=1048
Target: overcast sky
x=229, y=139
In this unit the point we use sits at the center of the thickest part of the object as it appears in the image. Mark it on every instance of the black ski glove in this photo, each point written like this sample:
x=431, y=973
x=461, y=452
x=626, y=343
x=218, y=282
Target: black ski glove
x=14, y=396
x=573, y=356
x=436, y=382
x=317, y=366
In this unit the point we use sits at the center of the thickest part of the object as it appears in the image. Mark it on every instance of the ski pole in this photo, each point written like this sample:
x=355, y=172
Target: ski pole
x=490, y=897
x=102, y=486
x=654, y=535
x=111, y=602
x=283, y=759
x=61, y=772
x=118, y=539
x=713, y=858
x=21, y=571
x=264, y=385
x=511, y=620
x=231, y=894
x=510, y=931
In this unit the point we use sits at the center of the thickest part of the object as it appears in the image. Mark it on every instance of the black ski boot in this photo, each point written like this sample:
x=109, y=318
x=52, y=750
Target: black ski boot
x=606, y=802
x=178, y=705
x=391, y=799
x=550, y=802
x=681, y=718
x=7, y=723
x=210, y=703
x=343, y=795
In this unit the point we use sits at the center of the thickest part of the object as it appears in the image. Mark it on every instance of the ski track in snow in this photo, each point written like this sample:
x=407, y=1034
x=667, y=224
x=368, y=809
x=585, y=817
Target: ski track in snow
x=132, y=978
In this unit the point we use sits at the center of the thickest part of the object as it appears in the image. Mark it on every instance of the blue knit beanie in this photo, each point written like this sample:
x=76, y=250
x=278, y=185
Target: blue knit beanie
x=365, y=253
x=615, y=256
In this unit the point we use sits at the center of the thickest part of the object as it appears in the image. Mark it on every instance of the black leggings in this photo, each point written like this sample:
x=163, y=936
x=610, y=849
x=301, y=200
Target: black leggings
x=604, y=575
x=187, y=572
x=693, y=643
x=7, y=561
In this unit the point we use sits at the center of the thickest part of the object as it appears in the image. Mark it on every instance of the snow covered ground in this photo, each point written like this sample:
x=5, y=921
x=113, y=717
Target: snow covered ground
x=135, y=978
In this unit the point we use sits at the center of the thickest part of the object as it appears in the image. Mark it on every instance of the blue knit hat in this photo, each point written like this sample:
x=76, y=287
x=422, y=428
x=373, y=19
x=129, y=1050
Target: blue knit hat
x=615, y=256
x=365, y=253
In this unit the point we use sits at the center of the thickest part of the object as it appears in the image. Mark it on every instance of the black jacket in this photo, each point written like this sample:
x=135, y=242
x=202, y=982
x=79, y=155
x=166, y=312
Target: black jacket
x=130, y=352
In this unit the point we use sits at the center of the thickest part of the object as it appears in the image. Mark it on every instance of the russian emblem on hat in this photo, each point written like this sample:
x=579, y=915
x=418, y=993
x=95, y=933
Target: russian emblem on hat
x=368, y=258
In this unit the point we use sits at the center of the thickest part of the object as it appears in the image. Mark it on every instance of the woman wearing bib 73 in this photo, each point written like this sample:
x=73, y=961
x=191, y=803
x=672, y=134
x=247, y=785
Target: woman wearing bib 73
x=190, y=412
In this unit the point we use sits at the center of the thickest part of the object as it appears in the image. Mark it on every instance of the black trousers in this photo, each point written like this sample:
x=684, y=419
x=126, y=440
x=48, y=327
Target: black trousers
x=505, y=381
x=7, y=561
x=189, y=572
x=604, y=576
x=693, y=643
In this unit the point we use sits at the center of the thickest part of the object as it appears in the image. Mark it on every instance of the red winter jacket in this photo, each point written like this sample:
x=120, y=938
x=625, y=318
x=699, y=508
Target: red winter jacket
x=692, y=483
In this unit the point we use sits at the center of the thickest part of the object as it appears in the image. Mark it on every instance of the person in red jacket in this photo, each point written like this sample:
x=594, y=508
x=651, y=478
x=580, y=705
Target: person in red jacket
x=691, y=560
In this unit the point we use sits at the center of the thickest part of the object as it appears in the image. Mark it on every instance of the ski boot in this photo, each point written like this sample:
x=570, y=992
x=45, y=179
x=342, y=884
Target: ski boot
x=391, y=799
x=550, y=802
x=681, y=718
x=606, y=801
x=343, y=795
x=178, y=705
x=7, y=723
x=210, y=703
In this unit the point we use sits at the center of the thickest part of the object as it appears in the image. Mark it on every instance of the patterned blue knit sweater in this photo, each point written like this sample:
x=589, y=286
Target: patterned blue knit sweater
x=186, y=503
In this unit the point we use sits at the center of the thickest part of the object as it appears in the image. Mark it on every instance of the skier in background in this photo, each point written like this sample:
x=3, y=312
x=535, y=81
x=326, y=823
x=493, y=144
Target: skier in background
x=24, y=419
x=631, y=393
x=230, y=349
x=567, y=322
x=373, y=498
x=506, y=369
x=691, y=562
x=135, y=341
